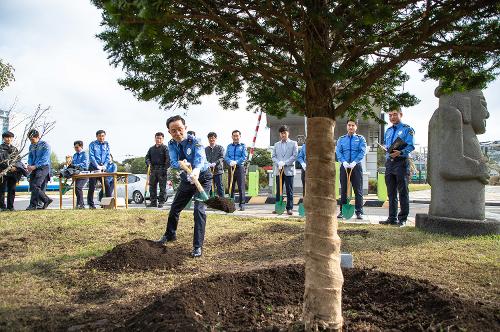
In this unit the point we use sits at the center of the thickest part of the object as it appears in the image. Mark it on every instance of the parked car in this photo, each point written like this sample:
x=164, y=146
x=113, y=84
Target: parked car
x=23, y=185
x=136, y=186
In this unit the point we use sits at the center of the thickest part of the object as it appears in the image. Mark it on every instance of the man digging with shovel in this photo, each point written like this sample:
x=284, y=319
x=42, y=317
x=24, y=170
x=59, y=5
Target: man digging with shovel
x=188, y=155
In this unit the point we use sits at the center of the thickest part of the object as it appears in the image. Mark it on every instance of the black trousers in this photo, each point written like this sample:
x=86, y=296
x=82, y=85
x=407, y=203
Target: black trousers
x=219, y=187
x=186, y=191
x=397, y=173
x=38, y=183
x=357, y=185
x=7, y=185
x=79, y=184
x=92, y=183
x=239, y=177
x=288, y=182
x=158, y=176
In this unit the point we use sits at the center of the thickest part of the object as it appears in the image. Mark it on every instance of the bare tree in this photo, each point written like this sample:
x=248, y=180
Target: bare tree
x=23, y=123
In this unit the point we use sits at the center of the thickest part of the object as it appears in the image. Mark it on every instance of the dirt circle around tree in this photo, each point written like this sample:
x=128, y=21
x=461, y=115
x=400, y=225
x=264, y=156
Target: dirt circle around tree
x=271, y=300
x=139, y=254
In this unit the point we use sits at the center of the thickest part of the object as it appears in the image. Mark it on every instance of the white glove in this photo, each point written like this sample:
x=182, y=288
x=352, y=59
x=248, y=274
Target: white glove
x=353, y=164
x=303, y=166
x=101, y=168
x=232, y=163
x=281, y=164
x=187, y=163
x=346, y=165
x=212, y=165
x=195, y=173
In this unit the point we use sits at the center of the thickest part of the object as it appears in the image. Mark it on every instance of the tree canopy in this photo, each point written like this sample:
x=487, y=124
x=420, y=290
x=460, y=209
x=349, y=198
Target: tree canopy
x=288, y=55
x=6, y=74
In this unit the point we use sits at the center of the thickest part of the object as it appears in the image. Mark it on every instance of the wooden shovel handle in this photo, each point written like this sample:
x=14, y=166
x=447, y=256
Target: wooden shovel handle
x=231, y=178
x=188, y=170
x=349, y=183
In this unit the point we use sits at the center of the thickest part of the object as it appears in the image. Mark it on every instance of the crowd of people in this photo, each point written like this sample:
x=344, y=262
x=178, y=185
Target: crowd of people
x=207, y=167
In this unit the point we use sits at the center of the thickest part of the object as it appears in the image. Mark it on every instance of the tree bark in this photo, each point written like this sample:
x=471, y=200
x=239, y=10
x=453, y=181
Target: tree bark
x=323, y=276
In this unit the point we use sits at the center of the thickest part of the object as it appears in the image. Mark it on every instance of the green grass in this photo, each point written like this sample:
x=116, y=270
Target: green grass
x=43, y=254
x=419, y=186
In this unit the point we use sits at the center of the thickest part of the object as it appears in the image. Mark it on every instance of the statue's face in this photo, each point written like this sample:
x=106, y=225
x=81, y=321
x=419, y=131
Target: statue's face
x=479, y=113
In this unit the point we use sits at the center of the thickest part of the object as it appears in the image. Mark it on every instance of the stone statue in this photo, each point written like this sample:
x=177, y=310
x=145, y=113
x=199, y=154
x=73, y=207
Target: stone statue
x=456, y=167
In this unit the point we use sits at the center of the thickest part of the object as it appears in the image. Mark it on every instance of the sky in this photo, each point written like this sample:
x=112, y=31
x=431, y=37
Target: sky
x=60, y=63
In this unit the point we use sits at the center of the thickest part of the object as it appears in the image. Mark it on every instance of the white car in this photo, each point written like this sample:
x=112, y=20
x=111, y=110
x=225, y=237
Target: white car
x=136, y=186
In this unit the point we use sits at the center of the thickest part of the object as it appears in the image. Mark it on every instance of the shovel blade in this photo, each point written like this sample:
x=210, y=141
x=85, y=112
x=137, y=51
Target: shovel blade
x=201, y=196
x=302, y=210
x=280, y=207
x=347, y=210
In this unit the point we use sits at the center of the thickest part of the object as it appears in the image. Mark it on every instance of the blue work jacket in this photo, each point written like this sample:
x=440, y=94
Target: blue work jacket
x=80, y=160
x=351, y=148
x=190, y=149
x=39, y=154
x=236, y=152
x=405, y=132
x=99, y=153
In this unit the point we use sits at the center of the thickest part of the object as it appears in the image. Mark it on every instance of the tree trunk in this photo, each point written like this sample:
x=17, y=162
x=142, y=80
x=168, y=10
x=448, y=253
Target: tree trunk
x=323, y=276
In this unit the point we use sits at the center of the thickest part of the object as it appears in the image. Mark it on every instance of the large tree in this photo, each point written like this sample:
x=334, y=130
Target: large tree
x=319, y=58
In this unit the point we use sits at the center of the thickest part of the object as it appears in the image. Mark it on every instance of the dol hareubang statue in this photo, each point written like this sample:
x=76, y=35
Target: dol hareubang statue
x=456, y=167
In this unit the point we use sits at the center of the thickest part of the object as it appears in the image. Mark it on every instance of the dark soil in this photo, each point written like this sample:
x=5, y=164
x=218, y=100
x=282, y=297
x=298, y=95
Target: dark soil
x=271, y=300
x=284, y=228
x=231, y=239
x=139, y=254
x=221, y=203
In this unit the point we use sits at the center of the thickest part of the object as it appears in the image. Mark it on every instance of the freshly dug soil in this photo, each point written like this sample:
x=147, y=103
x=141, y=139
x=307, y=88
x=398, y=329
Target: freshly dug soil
x=139, y=254
x=221, y=203
x=271, y=300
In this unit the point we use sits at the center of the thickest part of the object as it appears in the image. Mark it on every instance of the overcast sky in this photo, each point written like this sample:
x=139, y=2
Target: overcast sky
x=60, y=63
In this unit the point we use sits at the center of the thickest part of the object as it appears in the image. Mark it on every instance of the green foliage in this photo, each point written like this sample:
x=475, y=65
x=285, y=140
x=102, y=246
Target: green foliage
x=318, y=58
x=372, y=186
x=6, y=74
x=261, y=157
x=137, y=165
x=54, y=163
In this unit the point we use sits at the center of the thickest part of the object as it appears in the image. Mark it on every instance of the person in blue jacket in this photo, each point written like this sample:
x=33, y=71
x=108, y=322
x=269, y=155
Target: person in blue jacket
x=188, y=149
x=397, y=169
x=236, y=156
x=99, y=158
x=39, y=168
x=81, y=163
x=350, y=151
x=301, y=158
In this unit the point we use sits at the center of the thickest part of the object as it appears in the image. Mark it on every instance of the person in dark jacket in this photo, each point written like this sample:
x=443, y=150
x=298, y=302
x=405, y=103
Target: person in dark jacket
x=215, y=156
x=80, y=162
x=9, y=156
x=158, y=159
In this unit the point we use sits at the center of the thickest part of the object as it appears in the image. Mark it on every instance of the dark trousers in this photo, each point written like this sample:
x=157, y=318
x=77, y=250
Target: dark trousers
x=158, y=176
x=92, y=183
x=288, y=182
x=303, y=178
x=7, y=185
x=38, y=183
x=219, y=187
x=357, y=185
x=239, y=177
x=79, y=184
x=397, y=178
x=186, y=191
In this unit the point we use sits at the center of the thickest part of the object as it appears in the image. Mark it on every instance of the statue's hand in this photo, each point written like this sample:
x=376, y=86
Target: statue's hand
x=484, y=173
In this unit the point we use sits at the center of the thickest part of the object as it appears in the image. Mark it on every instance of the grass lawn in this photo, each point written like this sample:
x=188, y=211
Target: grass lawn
x=44, y=281
x=419, y=186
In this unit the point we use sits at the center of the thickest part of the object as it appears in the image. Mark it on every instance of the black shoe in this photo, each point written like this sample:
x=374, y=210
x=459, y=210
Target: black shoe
x=289, y=212
x=92, y=207
x=47, y=203
x=242, y=208
x=160, y=205
x=340, y=216
x=3, y=209
x=359, y=216
x=401, y=223
x=80, y=207
x=152, y=205
x=196, y=252
x=166, y=238
x=31, y=207
x=388, y=221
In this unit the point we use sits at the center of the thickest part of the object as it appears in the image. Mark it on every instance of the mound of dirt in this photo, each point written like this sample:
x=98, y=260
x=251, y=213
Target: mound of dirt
x=284, y=228
x=221, y=203
x=271, y=300
x=139, y=254
x=353, y=232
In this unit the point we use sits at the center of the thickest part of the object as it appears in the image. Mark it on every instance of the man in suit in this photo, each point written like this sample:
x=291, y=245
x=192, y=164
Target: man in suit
x=284, y=156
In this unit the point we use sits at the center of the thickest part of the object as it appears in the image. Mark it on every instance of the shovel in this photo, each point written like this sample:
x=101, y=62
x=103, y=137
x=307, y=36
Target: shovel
x=230, y=180
x=280, y=206
x=212, y=170
x=146, y=187
x=348, y=208
x=218, y=203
